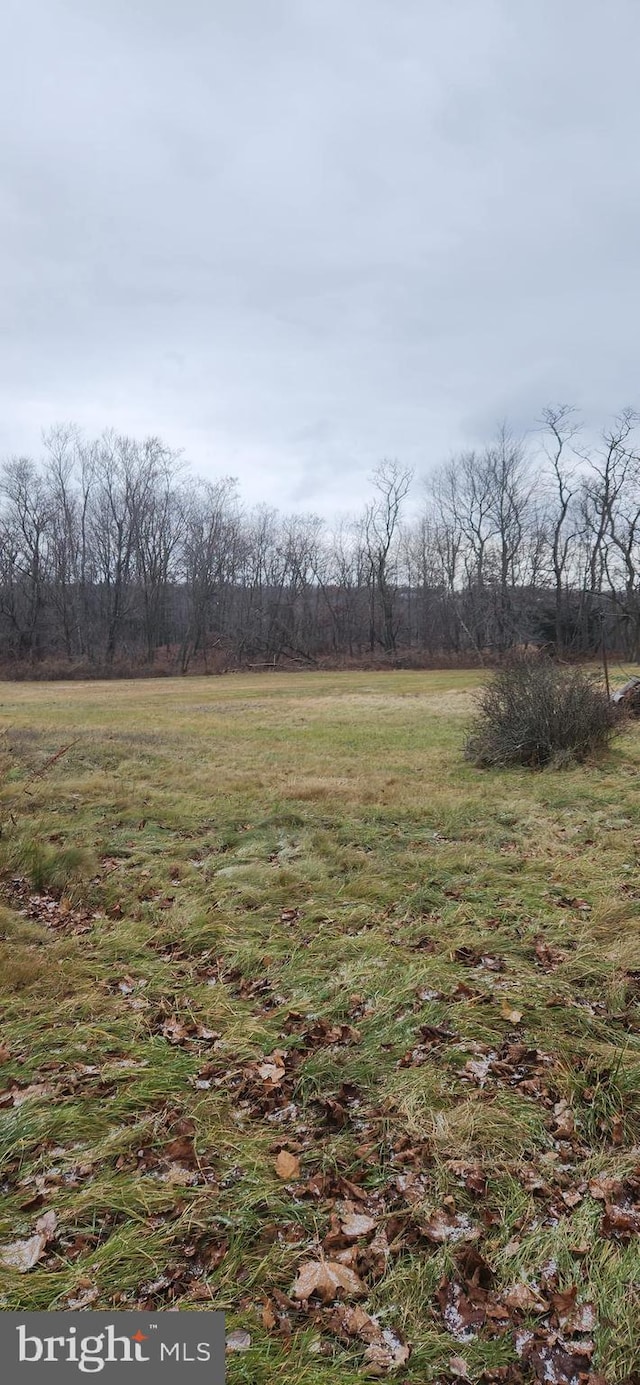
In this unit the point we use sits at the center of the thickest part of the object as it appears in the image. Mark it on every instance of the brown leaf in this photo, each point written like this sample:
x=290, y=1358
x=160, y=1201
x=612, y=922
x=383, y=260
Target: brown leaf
x=547, y=955
x=605, y=1189
x=492, y=963
x=567, y=902
x=446, y=1226
x=238, y=1341
x=23, y=1255
x=623, y=1220
x=179, y=1175
x=5, y=1053
x=349, y=1256
x=475, y=1271
x=459, y=1367
x=83, y=1298
x=37, y=1090
x=478, y=1069
x=327, y=1279
x=564, y=1124
x=386, y=1355
x=357, y=1323
x=287, y=1165
x=508, y=1013
x=553, y=1359
x=354, y=1224
x=471, y=1174
x=460, y=1314
x=563, y=1303
x=617, y=1130
x=209, y=1035
x=583, y=1319
x=378, y=1251
x=182, y=1151
x=272, y=1070
x=525, y=1299
x=175, y=1031
x=269, y=1318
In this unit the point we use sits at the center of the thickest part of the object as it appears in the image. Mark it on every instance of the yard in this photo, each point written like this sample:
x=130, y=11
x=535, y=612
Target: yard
x=306, y=1019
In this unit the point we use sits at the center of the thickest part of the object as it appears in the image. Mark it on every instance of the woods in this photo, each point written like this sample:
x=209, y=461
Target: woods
x=115, y=557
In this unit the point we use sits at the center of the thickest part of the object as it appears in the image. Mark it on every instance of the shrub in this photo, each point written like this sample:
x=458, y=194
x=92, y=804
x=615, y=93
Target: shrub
x=536, y=713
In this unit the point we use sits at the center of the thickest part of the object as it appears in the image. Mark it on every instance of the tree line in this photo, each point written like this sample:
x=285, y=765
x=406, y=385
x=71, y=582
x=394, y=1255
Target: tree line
x=114, y=558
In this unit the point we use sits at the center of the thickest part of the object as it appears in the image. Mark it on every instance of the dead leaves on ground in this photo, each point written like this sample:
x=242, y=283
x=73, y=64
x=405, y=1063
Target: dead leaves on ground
x=368, y=1227
x=24, y=1255
x=54, y=912
x=287, y=1165
x=327, y=1280
x=238, y=1341
x=330, y=1280
x=559, y=1348
x=621, y=1199
x=185, y=1033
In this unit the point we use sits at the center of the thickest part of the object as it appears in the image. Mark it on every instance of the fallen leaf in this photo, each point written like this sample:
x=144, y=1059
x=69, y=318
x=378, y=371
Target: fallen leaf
x=617, y=1130
x=289, y=915
x=287, y=1165
x=623, y=1220
x=386, y=1355
x=445, y=1226
x=356, y=1323
x=378, y=1252
x=269, y=1318
x=552, y=1359
x=175, y=1031
x=567, y=902
x=478, y=1069
x=181, y=1151
x=36, y=1091
x=238, y=1341
x=326, y=1278
x=564, y=1123
x=547, y=955
x=462, y=1316
x=582, y=1319
x=508, y=1013
x=471, y=1174
x=23, y=1255
x=459, y=1367
x=83, y=1299
x=564, y=1302
x=354, y=1224
x=525, y=1300
x=272, y=1070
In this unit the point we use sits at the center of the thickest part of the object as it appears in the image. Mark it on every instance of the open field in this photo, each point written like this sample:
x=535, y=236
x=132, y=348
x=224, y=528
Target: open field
x=284, y=981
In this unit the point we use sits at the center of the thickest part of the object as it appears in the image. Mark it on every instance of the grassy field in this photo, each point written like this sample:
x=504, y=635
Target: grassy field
x=306, y=1019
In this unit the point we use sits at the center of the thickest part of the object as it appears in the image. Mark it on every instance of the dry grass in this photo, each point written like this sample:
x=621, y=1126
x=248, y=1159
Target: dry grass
x=248, y=857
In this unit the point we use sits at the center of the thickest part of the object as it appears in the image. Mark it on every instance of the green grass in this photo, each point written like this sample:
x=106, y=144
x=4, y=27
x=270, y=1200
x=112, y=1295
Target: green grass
x=220, y=869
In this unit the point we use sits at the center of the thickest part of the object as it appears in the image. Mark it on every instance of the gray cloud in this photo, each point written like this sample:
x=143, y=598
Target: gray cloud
x=294, y=236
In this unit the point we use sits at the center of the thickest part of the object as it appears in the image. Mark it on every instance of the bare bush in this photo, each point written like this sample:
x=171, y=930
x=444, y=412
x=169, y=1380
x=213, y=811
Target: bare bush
x=535, y=712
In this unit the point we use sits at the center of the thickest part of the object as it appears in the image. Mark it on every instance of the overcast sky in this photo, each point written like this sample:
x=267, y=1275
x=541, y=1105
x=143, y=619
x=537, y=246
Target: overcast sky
x=296, y=236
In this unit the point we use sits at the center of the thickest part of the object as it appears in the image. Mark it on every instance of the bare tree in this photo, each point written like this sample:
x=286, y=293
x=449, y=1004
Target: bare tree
x=26, y=531
x=561, y=428
x=391, y=483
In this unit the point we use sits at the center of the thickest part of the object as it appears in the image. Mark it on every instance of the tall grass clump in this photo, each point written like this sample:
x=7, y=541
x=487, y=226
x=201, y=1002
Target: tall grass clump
x=535, y=712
